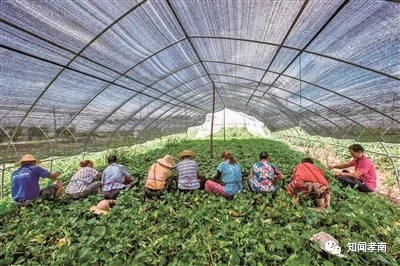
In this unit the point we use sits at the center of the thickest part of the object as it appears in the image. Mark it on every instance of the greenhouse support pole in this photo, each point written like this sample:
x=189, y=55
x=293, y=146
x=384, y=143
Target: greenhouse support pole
x=2, y=180
x=212, y=124
x=224, y=123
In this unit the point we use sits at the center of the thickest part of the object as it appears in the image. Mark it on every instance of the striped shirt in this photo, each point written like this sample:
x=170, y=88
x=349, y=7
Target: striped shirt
x=113, y=177
x=80, y=180
x=187, y=174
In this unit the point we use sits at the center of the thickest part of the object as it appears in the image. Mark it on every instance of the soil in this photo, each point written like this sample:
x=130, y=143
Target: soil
x=391, y=193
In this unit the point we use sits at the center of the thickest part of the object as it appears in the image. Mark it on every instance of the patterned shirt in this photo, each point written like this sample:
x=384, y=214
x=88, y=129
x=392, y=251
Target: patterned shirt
x=113, y=177
x=263, y=174
x=231, y=177
x=187, y=174
x=25, y=182
x=80, y=180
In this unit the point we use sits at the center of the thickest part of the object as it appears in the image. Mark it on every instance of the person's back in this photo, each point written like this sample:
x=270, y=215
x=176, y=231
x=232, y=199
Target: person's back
x=309, y=172
x=309, y=180
x=157, y=176
x=231, y=174
x=187, y=171
x=81, y=179
x=231, y=177
x=113, y=177
x=264, y=175
x=25, y=182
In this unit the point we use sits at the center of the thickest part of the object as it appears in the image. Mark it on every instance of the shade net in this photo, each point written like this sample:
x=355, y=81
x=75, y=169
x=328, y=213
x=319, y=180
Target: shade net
x=81, y=76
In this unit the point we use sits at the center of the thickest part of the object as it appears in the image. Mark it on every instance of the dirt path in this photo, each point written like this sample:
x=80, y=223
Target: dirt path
x=326, y=157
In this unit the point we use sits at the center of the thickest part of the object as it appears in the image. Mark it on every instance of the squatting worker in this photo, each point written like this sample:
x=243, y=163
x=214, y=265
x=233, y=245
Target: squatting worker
x=25, y=182
x=364, y=175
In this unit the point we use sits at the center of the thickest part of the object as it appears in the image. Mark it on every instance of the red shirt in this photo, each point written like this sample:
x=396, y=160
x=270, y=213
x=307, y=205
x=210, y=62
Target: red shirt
x=309, y=172
x=367, y=168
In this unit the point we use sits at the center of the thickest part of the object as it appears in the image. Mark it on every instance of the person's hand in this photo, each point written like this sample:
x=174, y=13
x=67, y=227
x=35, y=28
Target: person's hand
x=331, y=166
x=337, y=173
x=327, y=200
x=58, y=183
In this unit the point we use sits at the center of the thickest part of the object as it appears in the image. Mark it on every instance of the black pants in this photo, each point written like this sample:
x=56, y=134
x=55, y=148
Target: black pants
x=152, y=193
x=352, y=182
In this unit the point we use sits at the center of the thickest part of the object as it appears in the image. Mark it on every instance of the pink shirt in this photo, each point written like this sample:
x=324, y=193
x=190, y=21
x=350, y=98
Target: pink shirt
x=367, y=168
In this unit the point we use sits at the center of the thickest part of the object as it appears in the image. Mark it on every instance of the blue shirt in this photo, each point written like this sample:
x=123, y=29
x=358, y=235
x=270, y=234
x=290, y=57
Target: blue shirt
x=187, y=174
x=113, y=177
x=231, y=177
x=25, y=182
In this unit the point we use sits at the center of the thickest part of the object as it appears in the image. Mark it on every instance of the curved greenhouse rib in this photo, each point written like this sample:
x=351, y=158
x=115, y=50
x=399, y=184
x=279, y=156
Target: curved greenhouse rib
x=70, y=62
x=280, y=47
x=191, y=44
x=305, y=47
x=327, y=131
x=354, y=122
x=91, y=60
x=298, y=50
x=90, y=75
x=310, y=83
x=273, y=95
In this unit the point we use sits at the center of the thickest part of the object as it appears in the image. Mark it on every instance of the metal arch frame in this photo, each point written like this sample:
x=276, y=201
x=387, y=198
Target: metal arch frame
x=239, y=85
x=344, y=3
x=337, y=126
x=134, y=114
x=97, y=63
x=296, y=114
x=190, y=41
x=383, y=146
x=106, y=81
x=9, y=137
x=133, y=126
x=271, y=72
x=297, y=105
x=151, y=112
x=71, y=61
x=378, y=140
x=166, y=125
x=289, y=116
x=194, y=50
x=309, y=83
x=294, y=22
x=148, y=125
x=144, y=129
x=303, y=81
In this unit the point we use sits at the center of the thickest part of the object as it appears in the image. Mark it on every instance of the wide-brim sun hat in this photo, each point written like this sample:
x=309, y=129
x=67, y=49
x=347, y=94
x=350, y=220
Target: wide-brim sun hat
x=167, y=161
x=103, y=207
x=186, y=153
x=28, y=158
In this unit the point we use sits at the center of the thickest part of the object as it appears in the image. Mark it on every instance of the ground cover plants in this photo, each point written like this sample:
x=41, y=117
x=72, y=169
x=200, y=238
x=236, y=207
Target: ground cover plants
x=201, y=229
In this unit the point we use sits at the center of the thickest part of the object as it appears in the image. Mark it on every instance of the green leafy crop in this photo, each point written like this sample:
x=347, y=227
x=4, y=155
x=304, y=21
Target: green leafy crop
x=199, y=228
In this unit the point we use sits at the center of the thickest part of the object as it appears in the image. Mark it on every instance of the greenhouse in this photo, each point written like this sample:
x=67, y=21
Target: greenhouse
x=83, y=80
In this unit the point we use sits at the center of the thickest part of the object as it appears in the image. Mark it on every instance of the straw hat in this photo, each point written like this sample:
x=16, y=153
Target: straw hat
x=167, y=161
x=103, y=207
x=28, y=158
x=186, y=153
